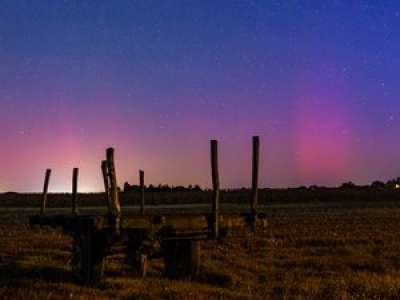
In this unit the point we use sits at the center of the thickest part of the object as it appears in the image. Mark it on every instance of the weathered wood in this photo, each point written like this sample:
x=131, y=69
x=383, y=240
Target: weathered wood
x=182, y=258
x=114, y=193
x=45, y=190
x=143, y=265
x=174, y=237
x=89, y=250
x=171, y=226
x=141, y=179
x=104, y=170
x=75, y=173
x=178, y=235
x=175, y=222
x=215, y=183
x=255, y=171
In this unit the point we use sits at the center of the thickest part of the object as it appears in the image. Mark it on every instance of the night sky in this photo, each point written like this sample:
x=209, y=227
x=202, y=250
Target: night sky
x=318, y=81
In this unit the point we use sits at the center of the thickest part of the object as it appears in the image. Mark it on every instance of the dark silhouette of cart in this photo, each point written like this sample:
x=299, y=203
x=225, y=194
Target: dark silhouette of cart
x=142, y=236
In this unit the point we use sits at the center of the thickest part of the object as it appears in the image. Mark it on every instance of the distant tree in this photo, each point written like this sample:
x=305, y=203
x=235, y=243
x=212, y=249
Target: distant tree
x=126, y=187
x=347, y=185
x=197, y=188
x=313, y=187
x=180, y=188
x=131, y=188
x=161, y=188
x=11, y=193
x=166, y=188
x=302, y=187
x=377, y=184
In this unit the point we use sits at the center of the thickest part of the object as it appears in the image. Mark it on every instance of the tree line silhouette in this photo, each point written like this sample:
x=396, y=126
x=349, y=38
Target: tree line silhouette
x=163, y=188
x=390, y=184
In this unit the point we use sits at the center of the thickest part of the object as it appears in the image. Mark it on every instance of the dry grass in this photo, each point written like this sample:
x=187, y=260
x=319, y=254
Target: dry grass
x=267, y=196
x=319, y=253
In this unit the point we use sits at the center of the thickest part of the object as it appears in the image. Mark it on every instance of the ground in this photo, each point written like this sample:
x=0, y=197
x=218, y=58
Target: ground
x=307, y=252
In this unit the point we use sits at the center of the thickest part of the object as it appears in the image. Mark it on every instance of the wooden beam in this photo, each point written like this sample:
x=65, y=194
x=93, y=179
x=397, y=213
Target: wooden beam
x=104, y=170
x=141, y=179
x=45, y=189
x=114, y=194
x=255, y=172
x=215, y=183
x=75, y=173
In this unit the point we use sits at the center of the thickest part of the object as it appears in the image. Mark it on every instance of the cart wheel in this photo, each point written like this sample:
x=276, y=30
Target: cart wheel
x=88, y=258
x=182, y=259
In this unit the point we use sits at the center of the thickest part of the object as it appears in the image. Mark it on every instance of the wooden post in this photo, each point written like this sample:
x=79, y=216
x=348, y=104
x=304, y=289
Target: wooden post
x=75, y=191
x=254, y=185
x=114, y=194
x=141, y=178
x=215, y=183
x=104, y=170
x=45, y=189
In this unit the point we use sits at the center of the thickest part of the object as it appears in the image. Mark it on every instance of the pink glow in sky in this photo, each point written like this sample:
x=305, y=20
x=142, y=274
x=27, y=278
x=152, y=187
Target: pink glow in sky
x=322, y=140
x=317, y=81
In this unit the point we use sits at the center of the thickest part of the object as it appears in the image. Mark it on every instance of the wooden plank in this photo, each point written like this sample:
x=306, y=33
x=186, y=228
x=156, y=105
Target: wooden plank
x=68, y=221
x=186, y=222
x=115, y=204
x=141, y=179
x=45, y=190
x=104, y=170
x=178, y=222
x=255, y=171
x=89, y=251
x=75, y=173
x=215, y=183
x=179, y=226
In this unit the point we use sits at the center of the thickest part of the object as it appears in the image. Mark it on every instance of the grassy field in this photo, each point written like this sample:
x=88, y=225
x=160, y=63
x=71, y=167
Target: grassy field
x=266, y=196
x=327, y=252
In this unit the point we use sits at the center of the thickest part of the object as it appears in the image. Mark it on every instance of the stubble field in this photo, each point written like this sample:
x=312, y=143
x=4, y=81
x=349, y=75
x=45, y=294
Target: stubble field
x=334, y=251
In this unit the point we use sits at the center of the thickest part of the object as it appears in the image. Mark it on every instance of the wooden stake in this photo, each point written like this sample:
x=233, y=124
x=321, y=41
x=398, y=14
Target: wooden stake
x=45, y=189
x=75, y=191
x=215, y=183
x=114, y=194
x=141, y=178
x=104, y=170
x=254, y=185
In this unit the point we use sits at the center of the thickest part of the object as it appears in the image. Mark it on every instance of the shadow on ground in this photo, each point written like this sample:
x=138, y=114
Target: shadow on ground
x=12, y=272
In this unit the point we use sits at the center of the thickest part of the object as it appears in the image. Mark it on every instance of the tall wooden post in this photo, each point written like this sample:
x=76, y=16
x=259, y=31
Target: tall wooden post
x=215, y=183
x=104, y=170
x=45, y=189
x=255, y=171
x=114, y=194
x=141, y=179
x=75, y=191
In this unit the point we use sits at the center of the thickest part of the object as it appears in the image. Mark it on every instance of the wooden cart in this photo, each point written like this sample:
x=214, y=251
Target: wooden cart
x=143, y=236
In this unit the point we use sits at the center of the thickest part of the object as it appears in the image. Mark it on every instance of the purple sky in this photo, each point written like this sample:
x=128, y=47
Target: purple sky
x=158, y=79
